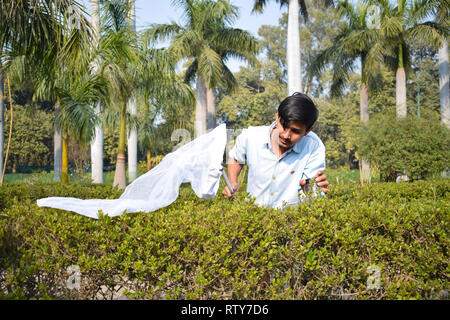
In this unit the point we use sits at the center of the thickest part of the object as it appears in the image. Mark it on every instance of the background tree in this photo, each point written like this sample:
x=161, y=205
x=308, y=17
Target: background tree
x=402, y=24
x=423, y=86
x=97, y=144
x=130, y=66
x=419, y=148
x=132, y=106
x=254, y=102
x=119, y=55
x=2, y=117
x=437, y=11
x=21, y=21
x=77, y=118
x=293, y=52
x=31, y=141
x=56, y=80
x=207, y=41
x=351, y=45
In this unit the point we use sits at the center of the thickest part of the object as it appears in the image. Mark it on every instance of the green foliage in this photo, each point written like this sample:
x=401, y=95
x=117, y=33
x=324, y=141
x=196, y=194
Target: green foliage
x=110, y=145
x=338, y=128
x=424, y=85
x=420, y=148
x=254, y=102
x=31, y=138
x=218, y=249
x=154, y=161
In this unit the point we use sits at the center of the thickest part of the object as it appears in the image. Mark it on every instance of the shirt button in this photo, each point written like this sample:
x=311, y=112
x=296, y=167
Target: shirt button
x=273, y=178
x=271, y=193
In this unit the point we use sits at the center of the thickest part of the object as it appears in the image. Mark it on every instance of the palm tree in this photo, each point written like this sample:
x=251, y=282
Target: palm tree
x=77, y=118
x=73, y=90
x=444, y=83
x=2, y=119
x=38, y=30
x=293, y=53
x=155, y=136
x=97, y=143
x=130, y=67
x=441, y=12
x=352, y=44
x=132, y=107
x=437, y=10
x=400, y=25
x=119, y=54
x=206, y=40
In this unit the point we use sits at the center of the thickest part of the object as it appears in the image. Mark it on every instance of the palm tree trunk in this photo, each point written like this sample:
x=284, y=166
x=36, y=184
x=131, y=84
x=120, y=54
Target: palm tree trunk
x=149, y=158
x=211, y=108
x=364, y=115
x=97, y=153
x=120, y=179
x=2, y=121
x=293, y=49
x=132, y=141
x=97, y=143
x=132, y=104
x=65, y=162
x=200, y=107
x=364, y=103
x=401, y=87
x=57, y=147
x=401, y=93
x=444, y=84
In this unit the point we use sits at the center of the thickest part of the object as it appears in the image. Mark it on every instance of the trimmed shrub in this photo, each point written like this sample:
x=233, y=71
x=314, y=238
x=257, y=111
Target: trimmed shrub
x=421, y=149
x=220, y=249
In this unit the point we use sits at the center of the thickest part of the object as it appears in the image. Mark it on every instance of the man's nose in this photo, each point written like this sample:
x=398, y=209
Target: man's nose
x=286, y=134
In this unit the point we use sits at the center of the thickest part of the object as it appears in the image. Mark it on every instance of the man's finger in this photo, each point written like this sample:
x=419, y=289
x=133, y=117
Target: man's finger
x=321, y=178
x=323, y=184
x=319, y=173
x=227, y=193
x=302, y=182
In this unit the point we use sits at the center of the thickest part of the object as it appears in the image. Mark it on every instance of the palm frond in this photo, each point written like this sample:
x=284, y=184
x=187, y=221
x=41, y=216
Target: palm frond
x=209, y=65
x=160, y=32
x=258, y=6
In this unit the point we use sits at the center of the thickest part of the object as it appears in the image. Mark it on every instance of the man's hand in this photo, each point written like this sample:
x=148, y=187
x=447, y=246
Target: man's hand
x=234, y=168
x=227, y=192
x=321, y=181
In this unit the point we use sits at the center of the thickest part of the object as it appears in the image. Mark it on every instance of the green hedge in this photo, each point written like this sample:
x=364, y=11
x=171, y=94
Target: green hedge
x=220, y=249
x=418, y=148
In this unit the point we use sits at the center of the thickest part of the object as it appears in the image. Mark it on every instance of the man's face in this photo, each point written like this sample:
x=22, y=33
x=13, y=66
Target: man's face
x=291, y=134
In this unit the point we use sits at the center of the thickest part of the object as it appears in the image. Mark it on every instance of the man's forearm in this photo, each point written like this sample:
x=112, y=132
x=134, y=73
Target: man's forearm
x=234, y=169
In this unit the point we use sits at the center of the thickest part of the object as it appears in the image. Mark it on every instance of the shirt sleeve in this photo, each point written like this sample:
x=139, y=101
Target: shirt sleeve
x=239, y=150
x=315, y=162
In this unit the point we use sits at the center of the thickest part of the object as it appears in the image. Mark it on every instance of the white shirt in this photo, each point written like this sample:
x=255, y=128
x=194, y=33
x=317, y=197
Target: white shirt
x=276, y=182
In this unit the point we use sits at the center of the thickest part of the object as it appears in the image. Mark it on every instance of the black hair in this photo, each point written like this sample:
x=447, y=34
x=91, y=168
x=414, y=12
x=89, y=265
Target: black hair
x=298, y=108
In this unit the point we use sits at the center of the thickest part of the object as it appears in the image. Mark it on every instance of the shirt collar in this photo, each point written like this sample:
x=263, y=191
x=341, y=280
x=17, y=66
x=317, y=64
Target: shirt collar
x=268, y=143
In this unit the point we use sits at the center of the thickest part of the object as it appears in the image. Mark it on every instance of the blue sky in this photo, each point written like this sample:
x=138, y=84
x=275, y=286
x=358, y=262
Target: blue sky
x=162, y=11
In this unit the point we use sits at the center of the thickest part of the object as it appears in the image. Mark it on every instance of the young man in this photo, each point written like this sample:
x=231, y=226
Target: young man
x=280, y=157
